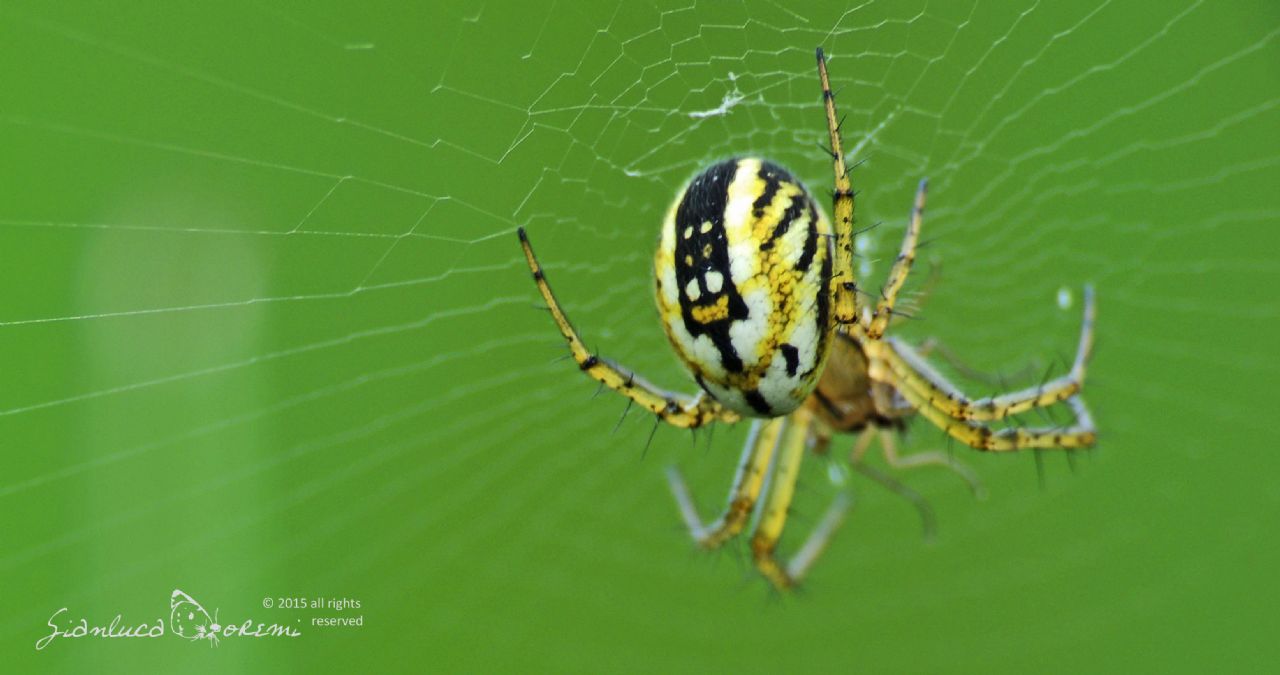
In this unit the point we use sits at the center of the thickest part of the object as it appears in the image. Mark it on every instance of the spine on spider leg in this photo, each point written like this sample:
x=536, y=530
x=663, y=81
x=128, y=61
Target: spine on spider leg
x=846, y=309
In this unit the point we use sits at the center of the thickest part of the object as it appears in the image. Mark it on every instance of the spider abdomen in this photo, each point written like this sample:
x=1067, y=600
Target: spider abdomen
x=742, y=269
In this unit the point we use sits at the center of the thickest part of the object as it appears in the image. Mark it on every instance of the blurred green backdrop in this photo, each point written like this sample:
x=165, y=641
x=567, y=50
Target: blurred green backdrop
x=266, y=331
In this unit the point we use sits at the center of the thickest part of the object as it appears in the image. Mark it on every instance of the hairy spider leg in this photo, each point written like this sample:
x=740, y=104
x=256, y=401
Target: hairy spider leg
x=674, y=408
x=842, y=285
x=773, y=516
x=915, y=303
x=757, y=454
x=1080, y=434
x=921, y=382
x=901, y=267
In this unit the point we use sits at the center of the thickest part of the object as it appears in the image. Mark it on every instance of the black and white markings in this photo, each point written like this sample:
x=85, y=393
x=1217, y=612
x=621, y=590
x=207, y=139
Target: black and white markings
x=702, y=263
x=741, y=298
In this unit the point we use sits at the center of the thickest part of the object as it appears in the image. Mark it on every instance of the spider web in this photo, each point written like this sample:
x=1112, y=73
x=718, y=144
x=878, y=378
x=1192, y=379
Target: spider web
x=268, y=329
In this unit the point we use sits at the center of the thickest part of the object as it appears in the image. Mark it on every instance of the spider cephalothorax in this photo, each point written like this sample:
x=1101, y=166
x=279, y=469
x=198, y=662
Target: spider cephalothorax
x=755, y=290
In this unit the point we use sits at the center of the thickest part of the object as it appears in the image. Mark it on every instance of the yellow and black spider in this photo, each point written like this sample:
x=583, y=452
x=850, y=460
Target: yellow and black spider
x=758, y=299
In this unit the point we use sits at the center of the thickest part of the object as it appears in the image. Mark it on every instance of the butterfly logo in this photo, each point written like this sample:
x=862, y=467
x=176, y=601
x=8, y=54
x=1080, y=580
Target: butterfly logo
x=190, y=620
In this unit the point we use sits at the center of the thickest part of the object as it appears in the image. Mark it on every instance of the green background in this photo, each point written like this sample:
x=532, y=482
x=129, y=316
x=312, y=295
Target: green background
x=265, y=330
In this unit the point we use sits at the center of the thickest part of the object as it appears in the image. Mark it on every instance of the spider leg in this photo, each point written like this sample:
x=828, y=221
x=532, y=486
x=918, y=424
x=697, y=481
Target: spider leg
x=916, y=303
x=773, y=517
x=1080, y=434
x=922, y=384
x=676, y=409
x=901, y=267
x=842, y=286
x=861, y=445
x=927, y=520
x=756, y=456
x=933, y=345
x=889, y=448
x=817, y=542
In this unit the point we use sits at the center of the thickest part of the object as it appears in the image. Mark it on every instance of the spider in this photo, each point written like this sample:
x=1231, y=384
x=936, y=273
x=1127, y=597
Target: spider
x=757, y=297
